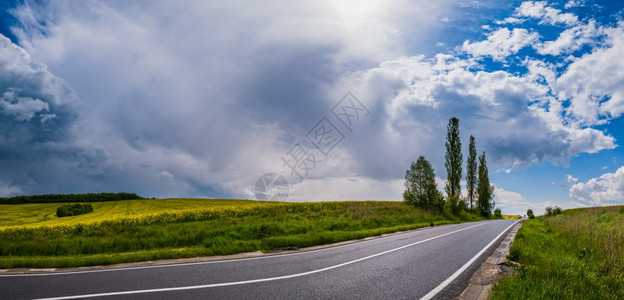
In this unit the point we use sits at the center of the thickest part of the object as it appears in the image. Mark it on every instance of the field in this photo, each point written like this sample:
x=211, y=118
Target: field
x=36, y=215
x=139, y=230
x=576, y=255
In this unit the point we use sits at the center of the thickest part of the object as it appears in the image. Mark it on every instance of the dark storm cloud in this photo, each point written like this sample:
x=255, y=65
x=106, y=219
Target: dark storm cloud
x=37, y=108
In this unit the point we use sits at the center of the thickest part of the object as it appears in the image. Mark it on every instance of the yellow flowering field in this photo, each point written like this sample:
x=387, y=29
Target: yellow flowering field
x=35, y=215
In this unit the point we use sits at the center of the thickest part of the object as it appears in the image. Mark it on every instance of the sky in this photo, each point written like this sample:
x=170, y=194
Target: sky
x=325, y=100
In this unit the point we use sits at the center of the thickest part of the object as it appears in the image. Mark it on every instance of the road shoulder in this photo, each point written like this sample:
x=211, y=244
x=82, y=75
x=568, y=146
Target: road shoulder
x=482, y=281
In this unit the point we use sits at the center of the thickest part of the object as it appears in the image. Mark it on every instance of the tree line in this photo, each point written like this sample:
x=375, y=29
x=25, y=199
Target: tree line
x=64, y=198
x=421, y=189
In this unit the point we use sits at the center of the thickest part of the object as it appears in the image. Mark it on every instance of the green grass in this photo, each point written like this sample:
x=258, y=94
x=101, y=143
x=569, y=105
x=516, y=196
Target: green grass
x=576, y=255
x=141, y=230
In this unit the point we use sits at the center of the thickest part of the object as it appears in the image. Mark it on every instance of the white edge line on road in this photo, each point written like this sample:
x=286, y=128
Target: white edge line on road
x=208, y=262
x=182, y=288
x=446, y=282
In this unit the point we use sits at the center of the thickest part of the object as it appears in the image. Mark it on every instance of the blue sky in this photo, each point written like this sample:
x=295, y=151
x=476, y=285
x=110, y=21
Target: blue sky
x=200, y=99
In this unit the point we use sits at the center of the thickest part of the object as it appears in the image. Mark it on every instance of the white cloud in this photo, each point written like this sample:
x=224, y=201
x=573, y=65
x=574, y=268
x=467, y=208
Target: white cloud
x=608, y=189
x=23, y=108
x=501, y=43
x=546, y=14
x=594, y=83
x=510, y=202
x=510, y=20
x=572, y=39
x=514, y=203
x=574, y=3
x=345, y=188
x=418, y=95
x=571, y=179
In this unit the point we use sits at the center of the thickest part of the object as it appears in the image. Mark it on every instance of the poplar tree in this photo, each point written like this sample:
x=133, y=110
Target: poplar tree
x=471, y=171
x=454, y=159
x=484, y=189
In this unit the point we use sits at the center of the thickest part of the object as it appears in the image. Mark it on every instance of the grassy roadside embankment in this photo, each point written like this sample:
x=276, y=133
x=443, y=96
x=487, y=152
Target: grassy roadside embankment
x=140, y=230
x=576, y=255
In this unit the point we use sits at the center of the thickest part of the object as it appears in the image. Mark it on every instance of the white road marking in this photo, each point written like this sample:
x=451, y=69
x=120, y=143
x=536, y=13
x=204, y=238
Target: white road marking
x=207, y=262
x=446, y=282
x=261, y=279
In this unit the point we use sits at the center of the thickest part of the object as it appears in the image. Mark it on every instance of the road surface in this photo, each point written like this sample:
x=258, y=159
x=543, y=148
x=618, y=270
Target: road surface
x=431, y=263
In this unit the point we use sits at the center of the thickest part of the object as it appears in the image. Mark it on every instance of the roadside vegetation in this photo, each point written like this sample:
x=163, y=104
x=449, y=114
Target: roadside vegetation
x=141, y=230
x=571, y=254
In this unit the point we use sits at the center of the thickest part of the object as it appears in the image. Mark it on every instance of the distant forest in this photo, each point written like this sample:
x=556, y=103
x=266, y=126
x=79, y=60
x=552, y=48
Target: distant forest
x=60, y=198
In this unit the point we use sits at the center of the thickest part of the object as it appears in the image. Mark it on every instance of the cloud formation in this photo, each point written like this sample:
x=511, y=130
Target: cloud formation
x=546, y=14
x=608, y=189
x=501, y=43
x=37, y=115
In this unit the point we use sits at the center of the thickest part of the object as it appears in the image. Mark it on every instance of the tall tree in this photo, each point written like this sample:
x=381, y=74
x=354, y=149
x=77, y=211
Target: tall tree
x=471, y=171
x=454, y=159
x=420, y=186
x=484, y=189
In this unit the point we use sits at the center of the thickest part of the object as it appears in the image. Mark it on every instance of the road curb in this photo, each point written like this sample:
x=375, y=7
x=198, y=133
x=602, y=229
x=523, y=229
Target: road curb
x=482, y=281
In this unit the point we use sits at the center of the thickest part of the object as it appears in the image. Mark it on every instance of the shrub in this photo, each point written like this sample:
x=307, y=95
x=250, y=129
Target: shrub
x=550, y=211
x=530, y=214
x=557, y=210
x=453, y=205
x=73, y=210
x=498, y=213
x=63, y=211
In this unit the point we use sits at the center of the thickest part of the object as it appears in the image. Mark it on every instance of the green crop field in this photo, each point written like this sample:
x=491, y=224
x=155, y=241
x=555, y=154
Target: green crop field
x=578, y=254
x=139, y=230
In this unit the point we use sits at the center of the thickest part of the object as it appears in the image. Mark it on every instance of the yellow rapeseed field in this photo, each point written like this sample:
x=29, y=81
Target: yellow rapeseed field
x=36, y=215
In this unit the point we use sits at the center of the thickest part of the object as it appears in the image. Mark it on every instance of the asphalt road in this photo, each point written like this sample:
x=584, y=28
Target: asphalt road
x=434, y=262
